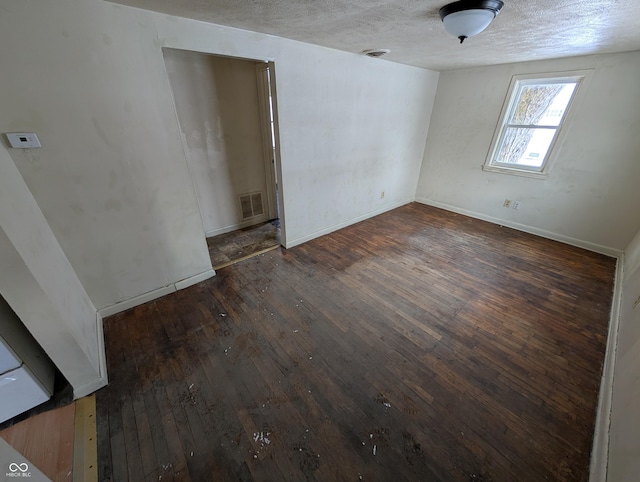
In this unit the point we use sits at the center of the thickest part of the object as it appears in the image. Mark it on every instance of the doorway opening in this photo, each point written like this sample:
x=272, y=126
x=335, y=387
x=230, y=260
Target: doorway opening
x=226, y=110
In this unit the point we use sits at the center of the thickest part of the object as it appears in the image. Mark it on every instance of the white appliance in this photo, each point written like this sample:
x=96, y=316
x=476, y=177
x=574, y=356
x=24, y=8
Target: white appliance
x=26, y=373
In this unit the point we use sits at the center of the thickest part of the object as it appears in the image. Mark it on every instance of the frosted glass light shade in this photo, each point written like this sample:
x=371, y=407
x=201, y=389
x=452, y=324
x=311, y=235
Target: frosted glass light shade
x=466, y=18
x=467, y=23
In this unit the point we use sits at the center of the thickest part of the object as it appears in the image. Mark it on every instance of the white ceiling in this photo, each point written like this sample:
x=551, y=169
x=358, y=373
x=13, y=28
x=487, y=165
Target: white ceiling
x=524, y=30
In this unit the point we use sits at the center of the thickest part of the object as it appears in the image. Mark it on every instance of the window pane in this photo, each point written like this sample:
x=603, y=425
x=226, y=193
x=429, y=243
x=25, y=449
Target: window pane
x=542, y=104
x=525, y=146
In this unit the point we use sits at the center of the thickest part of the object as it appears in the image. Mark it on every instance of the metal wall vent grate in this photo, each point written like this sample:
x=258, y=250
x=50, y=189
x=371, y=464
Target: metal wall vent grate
x=251, y=205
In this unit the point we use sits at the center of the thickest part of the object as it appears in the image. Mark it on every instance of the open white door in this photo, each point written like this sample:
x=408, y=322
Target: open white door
x=263, y=76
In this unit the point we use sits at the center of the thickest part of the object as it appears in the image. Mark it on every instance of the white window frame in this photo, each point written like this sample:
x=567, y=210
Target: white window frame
x=511, y=100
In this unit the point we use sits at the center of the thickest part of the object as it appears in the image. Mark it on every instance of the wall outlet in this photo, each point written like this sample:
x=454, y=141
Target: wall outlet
x=515, y=205
x=382, y=195
x=506, y=203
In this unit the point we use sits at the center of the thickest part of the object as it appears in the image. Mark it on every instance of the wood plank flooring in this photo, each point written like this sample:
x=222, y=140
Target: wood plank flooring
x=419, y=345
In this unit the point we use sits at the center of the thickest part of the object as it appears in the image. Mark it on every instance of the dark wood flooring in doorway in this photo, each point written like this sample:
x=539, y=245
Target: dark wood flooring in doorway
x=226, y=249
x=419, y=345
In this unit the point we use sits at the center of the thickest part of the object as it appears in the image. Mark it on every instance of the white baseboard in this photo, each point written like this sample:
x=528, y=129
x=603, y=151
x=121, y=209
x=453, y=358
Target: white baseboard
x=335, y=227
x=235, y=227
x=185, y=283
x=600, y=448
x=102, y=356
x=136, y=300
x=154, y=294
x=89, y=388
x=616, y=253
x=101, y=380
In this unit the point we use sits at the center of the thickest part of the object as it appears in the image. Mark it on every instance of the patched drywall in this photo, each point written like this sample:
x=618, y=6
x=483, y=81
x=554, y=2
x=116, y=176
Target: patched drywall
x=111, y=177
x=591, y=194
x=624, y=435
x=216, y=101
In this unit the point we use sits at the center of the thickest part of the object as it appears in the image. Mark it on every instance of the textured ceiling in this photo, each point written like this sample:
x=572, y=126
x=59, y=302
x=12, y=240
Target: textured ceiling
x=524, y=30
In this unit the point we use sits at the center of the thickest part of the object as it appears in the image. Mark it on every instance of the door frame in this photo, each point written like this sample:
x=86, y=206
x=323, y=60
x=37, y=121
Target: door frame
x=264, y=84
x=271, y=157
x=272, y=154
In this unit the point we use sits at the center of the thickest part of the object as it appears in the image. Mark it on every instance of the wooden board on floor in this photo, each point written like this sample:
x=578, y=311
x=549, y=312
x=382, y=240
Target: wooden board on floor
x=85, y=453
x=46, y=440
x=416, y=345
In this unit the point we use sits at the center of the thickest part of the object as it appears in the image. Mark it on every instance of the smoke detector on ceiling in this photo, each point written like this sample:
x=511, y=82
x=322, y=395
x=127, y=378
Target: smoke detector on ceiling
x=376, y=52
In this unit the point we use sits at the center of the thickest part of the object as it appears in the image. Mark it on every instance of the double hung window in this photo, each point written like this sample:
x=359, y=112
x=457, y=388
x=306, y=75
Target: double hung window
x=531, y=123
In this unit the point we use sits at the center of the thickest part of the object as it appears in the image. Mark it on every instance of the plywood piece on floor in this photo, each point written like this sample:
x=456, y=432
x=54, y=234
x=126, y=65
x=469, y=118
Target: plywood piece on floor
x=46, y=440
x=13, y=462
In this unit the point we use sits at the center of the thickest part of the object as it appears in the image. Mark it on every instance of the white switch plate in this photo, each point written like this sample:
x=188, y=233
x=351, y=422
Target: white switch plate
x=23, y=140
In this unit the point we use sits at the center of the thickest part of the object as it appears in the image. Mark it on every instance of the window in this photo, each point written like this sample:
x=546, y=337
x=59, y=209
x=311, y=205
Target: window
x=531, y=124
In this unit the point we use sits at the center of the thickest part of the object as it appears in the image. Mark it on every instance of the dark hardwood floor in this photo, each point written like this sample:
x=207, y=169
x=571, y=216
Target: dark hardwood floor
x=419, y=345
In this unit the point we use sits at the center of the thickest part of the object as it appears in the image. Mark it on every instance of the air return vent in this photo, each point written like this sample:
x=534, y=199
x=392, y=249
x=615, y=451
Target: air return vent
x=251, y=205
x=376, y=52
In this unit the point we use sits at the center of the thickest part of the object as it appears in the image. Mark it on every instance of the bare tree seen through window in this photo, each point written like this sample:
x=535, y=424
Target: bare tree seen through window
x=533, y=104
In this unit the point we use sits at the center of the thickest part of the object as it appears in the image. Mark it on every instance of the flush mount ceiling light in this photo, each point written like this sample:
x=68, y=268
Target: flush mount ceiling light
x=467, y=18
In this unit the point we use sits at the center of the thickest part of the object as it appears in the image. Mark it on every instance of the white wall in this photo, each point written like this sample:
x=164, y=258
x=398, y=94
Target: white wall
x=111, y=177
x=632, y=256
x=349, y=130
x=216, y=101
x=590, y=197
x=38, y=282
x=624, y=436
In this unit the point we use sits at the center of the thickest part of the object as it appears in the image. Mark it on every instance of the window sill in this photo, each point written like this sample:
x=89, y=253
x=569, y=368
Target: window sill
x=515, y=172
